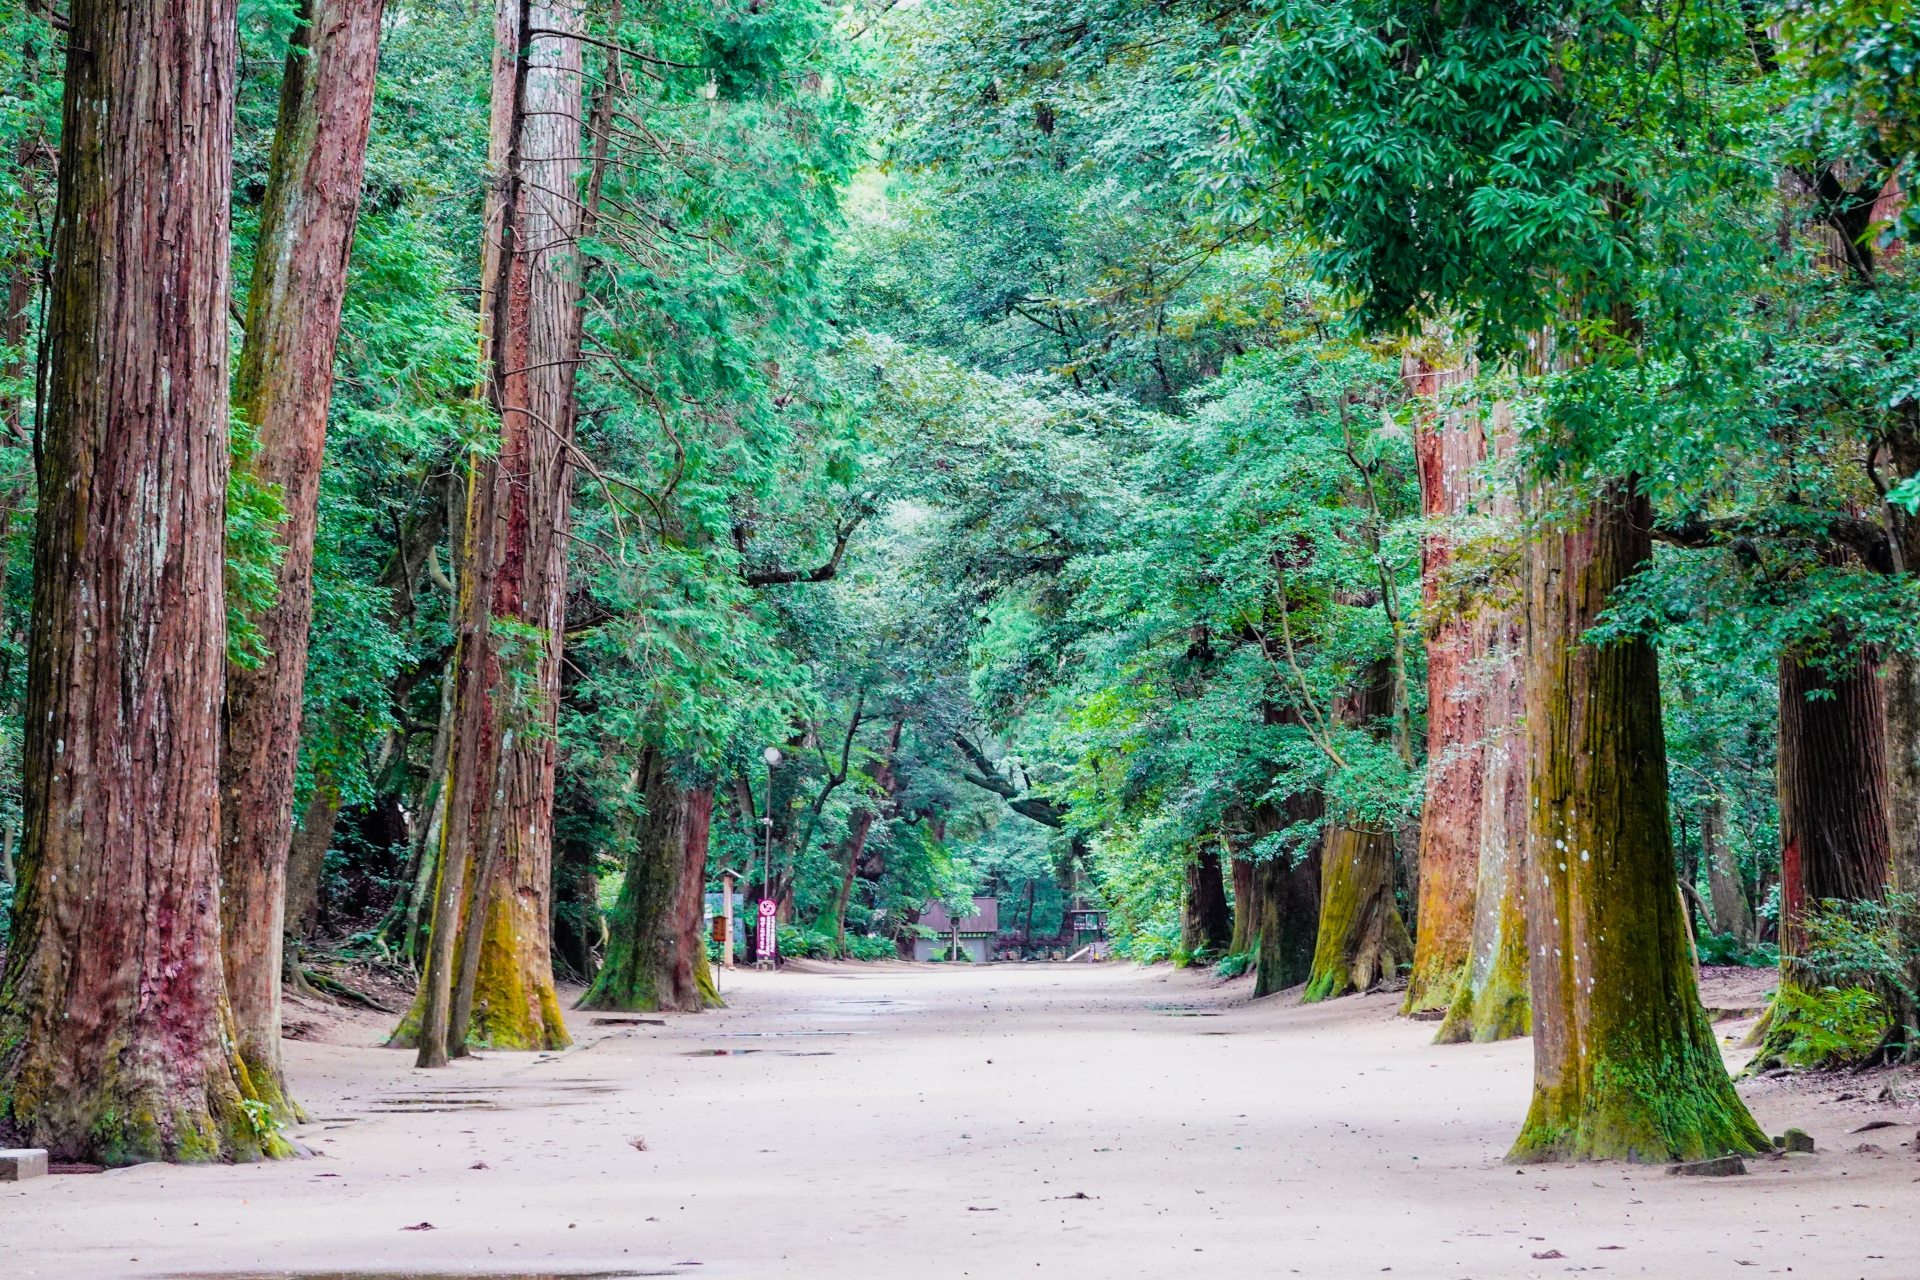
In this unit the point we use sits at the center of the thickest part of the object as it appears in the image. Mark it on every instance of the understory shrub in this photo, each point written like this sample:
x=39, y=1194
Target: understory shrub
x=866, y=946
x=1152, y=942
x=1234, y=964
x=1828, y=1027
x=1726, y=948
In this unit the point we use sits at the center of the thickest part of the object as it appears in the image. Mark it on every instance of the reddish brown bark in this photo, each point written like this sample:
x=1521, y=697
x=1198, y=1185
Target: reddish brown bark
x=1832, y=784
x=1470, y=954
x=507, y=691
x=282, y=389
x=112, y=1009
x=1448, y=448
x=1625, y=1063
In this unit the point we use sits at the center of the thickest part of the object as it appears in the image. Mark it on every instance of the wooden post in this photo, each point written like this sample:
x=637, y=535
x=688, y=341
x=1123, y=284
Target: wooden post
x=726, y=906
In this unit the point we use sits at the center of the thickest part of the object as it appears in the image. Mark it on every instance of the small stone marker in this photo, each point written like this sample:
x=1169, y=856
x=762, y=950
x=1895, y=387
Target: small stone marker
x=22, y=1163
x=1797, y=1140
x=1720, y=1167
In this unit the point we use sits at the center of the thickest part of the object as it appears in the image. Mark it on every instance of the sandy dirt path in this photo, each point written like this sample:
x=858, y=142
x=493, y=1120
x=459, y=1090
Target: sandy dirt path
x=939, y=1122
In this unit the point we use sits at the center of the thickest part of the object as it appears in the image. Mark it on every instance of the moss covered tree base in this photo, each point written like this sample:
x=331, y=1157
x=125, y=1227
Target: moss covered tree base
x=656, y=958
x=1625, y=1063
x=1361, y=940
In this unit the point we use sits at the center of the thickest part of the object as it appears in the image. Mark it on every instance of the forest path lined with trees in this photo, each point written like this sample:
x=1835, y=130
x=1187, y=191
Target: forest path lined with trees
x=861, y=1120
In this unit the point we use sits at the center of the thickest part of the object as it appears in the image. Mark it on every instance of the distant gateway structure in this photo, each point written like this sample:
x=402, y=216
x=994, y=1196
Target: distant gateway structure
x=976, y=931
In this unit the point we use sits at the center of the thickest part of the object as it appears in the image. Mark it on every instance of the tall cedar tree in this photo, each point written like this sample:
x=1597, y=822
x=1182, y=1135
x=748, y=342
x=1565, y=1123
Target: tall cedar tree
x=656, y=956
x=491, y=909
x=1393, y=125
x=113, y=1010
x=282, y=389
x=1470, y=955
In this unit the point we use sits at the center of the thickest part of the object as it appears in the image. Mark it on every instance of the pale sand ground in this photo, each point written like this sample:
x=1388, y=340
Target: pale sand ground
x=945, y=1124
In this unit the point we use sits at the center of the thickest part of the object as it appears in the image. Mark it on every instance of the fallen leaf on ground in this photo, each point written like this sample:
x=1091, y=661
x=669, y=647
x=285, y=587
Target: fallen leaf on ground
x=420, y=1226
x=1551, y=1253
x=637, y=1143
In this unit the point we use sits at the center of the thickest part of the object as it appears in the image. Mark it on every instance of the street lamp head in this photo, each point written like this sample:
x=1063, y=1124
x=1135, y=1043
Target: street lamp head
x=772, y=756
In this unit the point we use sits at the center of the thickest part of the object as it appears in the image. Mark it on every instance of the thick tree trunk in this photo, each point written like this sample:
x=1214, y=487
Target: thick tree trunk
x=282, y=390
x=1206, y=923
x=508, y=694
x=1625, y=1062
x=114, y=1029
x=1832, y=780
x=1449, y=447
x=1903, y=754
x=1361, y=940
x=1286, y=901
x=1832, y=784
x=1242, y=941
x=1731, y=912
x=656, y=958
x=1491, y=1001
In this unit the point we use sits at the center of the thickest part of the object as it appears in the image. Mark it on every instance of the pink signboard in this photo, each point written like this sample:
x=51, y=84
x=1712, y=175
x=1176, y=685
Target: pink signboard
x=765, y=941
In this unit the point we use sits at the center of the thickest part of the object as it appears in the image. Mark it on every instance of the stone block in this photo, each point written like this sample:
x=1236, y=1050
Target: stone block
x=22, y=1163
x=1797, y=1140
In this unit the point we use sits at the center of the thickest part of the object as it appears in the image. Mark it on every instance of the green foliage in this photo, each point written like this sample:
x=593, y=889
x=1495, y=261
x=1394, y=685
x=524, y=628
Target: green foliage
x=1725, y=948
x=1830, y=1026
x=1235, y=963
x=254, y=516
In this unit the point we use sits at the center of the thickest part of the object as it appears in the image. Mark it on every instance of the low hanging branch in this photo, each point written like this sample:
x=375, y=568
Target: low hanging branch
x=842, y=535
x=1048, y=813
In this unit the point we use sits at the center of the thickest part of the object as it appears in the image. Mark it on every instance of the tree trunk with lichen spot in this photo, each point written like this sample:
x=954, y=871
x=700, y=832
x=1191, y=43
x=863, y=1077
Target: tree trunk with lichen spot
x=507, y=698
x=1625, y=1062
x=1242, y=940
x=282, y=389
x=1285, y=910
x=1361, y=940
x=1206, y=924
x=1832, y=781
x=656, y=957
x=115, y=1034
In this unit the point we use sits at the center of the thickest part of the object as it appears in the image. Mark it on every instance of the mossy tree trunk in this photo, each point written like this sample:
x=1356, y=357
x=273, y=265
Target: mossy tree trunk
x=1491, y=1000
x=1625, y=1062
x=1361, y=940
x=1206, y=923
x=1242, y=872
x=1449, y=447
x=115, y=1035
x=514, y=572
x=656, y=957
x=282, y=389
x=1832, y=781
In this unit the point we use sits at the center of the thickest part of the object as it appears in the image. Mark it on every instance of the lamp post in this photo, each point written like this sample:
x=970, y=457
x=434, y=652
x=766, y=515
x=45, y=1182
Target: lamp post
x=773, y=758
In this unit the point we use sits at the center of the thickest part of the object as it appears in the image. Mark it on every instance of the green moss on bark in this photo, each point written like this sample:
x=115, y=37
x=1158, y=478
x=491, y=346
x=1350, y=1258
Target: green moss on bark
x=1625, y=1062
